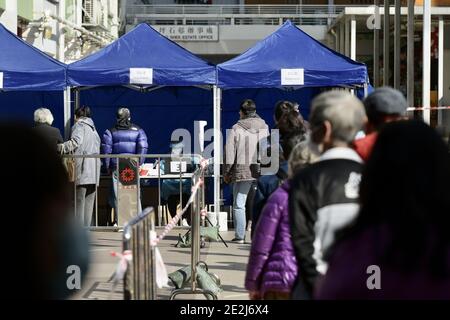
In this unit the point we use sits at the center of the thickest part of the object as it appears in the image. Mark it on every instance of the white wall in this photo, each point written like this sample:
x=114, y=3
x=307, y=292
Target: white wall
x=9, y=17
x=35, y=37
x=235, y=39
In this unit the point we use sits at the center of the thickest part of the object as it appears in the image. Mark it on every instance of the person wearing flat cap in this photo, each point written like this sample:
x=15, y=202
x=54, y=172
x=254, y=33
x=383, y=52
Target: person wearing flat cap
x=383, y=105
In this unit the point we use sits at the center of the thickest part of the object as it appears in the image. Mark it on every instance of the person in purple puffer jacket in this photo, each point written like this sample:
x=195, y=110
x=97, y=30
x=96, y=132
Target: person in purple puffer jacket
x=272, y=266
x=124, y=138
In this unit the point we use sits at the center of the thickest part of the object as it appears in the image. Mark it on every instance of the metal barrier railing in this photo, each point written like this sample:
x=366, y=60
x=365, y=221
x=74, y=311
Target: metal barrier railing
x=224, y=9
x=140, y=241
x=138, y=245
x=159, y=177
x=139, y=282
x=233, y=14
x=198, y=209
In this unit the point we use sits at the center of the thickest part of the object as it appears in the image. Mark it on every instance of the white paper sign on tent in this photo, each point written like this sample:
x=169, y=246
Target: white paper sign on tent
x=292, y=77
x=141, y=76
x=1, y=80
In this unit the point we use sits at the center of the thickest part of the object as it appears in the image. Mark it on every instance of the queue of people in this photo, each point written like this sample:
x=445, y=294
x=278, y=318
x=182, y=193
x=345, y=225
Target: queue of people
x=124, y=137
x=337, y=207
x=350, y=206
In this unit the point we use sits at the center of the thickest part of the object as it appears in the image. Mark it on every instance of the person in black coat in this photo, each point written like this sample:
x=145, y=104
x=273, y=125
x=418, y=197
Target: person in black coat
x=43, y=120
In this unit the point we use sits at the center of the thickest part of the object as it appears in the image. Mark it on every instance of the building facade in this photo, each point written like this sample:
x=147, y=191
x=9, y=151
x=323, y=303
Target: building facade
x=65, y=29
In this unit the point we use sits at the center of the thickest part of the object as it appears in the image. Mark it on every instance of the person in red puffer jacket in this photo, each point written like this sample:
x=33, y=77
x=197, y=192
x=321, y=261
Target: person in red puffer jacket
x=383, y=105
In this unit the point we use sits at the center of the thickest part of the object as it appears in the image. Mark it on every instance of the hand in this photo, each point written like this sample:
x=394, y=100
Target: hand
x=254, y=295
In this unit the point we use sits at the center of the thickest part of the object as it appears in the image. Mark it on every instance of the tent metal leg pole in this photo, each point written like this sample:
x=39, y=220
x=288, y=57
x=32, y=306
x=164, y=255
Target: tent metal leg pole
x=365, y=90
x=397, y=44
x=376, y=47
x=217, y=149
x=353, y=38
x=426, y=60
x=440, y=68
x=410, y=55
x=77, y=99
x=67, y=115
x=347, y=36
x=386, y=45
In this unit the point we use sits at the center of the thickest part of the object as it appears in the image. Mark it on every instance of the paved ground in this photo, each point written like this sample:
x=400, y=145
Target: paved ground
x=228, y=263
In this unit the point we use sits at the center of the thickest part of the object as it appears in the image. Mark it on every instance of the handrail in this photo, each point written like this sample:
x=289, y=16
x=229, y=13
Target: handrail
x=235, y=14
x=233, y=9
x=127, y=156
x=197, y=158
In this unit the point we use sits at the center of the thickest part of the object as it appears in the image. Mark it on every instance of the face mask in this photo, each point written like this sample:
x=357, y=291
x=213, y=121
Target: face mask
x=360, y=135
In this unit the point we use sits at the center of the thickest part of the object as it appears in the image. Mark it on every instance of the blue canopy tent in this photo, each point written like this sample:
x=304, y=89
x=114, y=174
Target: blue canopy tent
x=25, y=68
x=143, y=57
x=144, y=71
x=287, y=60
x=267, y=64
x=142, y=60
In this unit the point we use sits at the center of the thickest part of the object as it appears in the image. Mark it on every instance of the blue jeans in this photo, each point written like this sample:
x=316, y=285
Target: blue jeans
x=240, y=192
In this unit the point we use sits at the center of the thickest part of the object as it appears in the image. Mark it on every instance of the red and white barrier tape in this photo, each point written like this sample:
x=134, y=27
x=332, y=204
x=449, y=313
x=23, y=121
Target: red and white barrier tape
x=122, y=265
x=430, y=108
x=161, y=273
x=173, y=223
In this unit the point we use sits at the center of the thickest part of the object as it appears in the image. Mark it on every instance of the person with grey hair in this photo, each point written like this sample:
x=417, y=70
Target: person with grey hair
x=324, y=196
x=43, y=120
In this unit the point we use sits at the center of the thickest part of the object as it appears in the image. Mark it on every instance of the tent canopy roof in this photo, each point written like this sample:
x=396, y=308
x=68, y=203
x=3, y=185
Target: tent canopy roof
x=23, y=67
x=290, y=48
x=143, y=47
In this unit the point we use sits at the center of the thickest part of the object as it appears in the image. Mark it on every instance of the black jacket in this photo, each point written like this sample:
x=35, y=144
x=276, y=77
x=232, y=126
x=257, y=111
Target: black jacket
x=323, y=199
x=50, y=133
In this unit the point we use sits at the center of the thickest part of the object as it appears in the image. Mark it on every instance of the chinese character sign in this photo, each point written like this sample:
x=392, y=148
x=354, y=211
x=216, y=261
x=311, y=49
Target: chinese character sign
x=189, y=33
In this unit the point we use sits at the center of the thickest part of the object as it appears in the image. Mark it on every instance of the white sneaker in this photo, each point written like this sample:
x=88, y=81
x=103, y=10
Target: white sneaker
x=184, y=223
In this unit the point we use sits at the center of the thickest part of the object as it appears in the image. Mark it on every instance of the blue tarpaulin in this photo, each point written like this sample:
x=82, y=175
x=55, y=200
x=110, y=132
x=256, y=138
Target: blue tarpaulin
x=143, y=47
x=158, y=112
x=23, y=67
x=19, y=106
x=290, y=48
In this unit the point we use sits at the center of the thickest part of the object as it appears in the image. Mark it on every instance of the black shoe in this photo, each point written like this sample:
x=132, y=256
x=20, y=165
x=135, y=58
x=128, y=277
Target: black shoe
x=239, y=241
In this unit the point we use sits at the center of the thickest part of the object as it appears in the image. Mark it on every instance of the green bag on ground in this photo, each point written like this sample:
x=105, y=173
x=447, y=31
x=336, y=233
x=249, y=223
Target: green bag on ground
x=205, y=280
x=180, y=277
x=183, y=241
x=211, y=233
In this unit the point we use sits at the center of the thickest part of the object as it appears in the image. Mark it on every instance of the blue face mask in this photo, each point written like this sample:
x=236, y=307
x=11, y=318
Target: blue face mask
x=73, y=251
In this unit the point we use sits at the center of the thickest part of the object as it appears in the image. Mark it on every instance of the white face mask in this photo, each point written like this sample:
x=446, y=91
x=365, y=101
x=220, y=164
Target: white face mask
x=360, y=135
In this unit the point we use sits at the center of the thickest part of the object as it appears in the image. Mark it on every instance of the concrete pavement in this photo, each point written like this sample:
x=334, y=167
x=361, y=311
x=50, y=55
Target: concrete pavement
x=228, y=263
